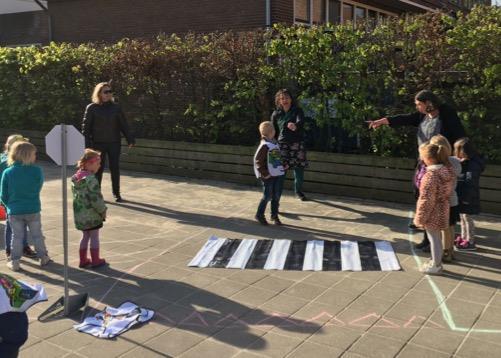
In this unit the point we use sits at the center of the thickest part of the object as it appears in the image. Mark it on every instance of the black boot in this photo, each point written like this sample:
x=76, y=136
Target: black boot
x=261, y=219
x=423, y=243
x=118, y=198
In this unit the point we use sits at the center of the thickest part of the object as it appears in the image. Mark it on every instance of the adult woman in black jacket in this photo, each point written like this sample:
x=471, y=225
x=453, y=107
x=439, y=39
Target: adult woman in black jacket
x=431, y=118
x=288, y=120
x=103, y=124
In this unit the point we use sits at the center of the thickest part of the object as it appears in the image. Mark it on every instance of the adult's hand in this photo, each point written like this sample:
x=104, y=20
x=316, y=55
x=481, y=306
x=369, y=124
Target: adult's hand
x=292, y=126
x=132, y=145
x=378, y=123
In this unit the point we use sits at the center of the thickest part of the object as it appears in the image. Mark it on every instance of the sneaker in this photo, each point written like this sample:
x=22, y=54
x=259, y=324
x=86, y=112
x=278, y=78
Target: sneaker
x=29, y=253
x=430, y=269
x=458, y=239
x=276, y=220
x=466, y=245
x=14, y=265
x=261, y=220
x=45, y=261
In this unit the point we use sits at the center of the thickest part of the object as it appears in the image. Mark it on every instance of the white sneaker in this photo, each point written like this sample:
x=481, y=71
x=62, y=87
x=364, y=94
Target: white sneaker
x=14, y=265
x=431, y=269
x=44, y=261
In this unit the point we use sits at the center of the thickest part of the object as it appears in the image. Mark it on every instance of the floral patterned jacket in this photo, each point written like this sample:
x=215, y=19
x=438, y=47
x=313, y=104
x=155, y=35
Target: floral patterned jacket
x=89, y=209
x=432, y=208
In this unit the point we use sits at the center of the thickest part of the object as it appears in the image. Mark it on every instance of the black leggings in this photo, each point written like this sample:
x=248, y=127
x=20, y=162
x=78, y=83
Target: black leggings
x=112, y=152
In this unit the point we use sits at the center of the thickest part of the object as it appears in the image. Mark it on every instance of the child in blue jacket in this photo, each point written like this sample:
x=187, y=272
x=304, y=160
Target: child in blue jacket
x=21, y=184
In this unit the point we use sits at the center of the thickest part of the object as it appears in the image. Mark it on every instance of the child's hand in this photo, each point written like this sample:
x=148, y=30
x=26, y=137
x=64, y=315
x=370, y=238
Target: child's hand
x=267, y=177
x=286, y=166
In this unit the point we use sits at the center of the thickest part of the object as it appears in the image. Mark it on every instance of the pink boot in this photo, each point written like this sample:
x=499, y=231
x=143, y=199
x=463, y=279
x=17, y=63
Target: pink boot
x=84, y=261
x=96, y=260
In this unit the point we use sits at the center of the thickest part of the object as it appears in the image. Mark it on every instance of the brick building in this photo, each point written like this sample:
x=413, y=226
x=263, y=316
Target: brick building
x=111, y=20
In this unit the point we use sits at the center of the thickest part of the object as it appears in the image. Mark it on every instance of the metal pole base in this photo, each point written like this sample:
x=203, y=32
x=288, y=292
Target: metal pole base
x=57, y=309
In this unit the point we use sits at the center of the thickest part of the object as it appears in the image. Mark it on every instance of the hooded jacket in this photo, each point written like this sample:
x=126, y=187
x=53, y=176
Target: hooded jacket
x=89, y=209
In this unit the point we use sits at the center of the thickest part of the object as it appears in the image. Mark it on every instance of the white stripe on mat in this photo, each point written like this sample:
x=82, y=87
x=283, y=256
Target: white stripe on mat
x=350, y=256
x=242, y=254
x=314, y=255
x=387, y=258
x=278, y=255
x=207, y=252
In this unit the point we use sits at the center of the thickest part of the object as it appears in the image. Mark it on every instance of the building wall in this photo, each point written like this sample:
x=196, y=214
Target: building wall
x=111, y=20
x=24, y=28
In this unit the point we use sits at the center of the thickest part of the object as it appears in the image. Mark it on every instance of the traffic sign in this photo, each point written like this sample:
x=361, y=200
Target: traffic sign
x=75, y=144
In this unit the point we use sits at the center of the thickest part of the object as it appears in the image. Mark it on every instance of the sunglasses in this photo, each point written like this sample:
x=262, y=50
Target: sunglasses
x=107, y=91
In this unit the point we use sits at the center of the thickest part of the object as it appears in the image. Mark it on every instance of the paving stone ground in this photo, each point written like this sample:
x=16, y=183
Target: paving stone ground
x=255, y=313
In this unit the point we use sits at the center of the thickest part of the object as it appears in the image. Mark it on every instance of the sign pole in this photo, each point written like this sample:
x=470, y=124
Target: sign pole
x=64, y=157
x=65, y=144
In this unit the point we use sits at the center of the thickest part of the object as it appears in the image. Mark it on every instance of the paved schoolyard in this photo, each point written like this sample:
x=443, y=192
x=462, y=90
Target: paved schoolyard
x=256, y=313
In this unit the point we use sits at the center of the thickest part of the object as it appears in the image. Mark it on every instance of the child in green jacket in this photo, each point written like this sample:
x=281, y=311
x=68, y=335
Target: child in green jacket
x=89, y=208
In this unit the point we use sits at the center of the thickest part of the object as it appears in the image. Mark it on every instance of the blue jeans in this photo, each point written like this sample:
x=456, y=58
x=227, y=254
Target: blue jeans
x=272, y=190
x=8, y=237
x=34, y=224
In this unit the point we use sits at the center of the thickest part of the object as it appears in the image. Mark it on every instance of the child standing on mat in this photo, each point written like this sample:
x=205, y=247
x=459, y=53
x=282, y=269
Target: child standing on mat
x=4, y=157
x=89, y=208
x=20, y=193
x=432, y=208
x=269, y=168
x=472, y=166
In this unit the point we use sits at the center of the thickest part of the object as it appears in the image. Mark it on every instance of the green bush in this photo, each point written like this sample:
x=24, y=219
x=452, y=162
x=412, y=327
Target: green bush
x=216, y=88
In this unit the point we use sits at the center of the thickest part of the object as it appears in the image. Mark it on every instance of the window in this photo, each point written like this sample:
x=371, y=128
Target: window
x=302, y=11
x=334, y=11
x=347, y=13
x=372, y=15
x=359, y=14
x=318, y=11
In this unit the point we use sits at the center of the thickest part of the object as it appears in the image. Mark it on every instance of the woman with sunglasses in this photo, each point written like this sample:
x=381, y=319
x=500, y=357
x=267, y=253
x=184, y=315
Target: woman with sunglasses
x=103, y=125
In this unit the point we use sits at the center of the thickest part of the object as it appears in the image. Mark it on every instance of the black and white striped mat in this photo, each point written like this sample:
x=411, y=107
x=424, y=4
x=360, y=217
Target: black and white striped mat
x=315, y=255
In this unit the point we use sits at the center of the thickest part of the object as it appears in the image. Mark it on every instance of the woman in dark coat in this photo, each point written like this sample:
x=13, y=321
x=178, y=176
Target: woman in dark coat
x=288, y=120
x=103, y=124
x=432, y=117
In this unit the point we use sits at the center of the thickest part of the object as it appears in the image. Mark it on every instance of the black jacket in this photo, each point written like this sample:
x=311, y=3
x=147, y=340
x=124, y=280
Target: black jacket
x=452, y=129
x=468, y=186
x=286, y=135
x=104, y=123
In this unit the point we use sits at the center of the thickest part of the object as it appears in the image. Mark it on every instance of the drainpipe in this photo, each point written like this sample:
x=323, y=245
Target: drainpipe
x=268, y=14
x=49, y=18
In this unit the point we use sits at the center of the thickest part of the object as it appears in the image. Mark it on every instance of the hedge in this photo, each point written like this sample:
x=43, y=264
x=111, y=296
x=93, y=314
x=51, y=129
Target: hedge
x=216, y=88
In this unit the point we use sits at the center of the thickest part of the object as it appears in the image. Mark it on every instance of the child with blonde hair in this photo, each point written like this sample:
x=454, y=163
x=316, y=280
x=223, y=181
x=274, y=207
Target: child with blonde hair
x=472, y=166
x=432, y=208
x=455, y=165
x=20, y=193
x=269, y=168
x=4, y=156
x=89, y=209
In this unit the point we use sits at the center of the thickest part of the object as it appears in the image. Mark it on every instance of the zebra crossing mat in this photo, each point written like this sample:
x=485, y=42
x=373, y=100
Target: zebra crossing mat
x=304, y=255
